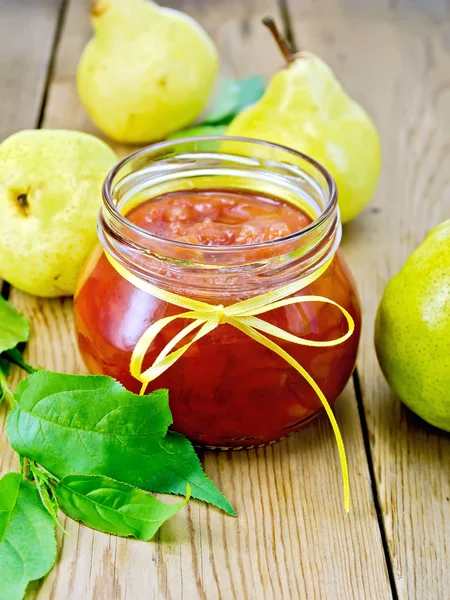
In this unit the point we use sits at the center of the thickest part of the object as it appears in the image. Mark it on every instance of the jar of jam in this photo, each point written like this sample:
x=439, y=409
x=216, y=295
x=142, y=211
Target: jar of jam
x=221, y=220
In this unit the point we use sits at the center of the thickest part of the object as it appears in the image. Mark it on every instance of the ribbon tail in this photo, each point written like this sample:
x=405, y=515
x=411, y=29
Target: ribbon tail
x=146, y=339
x=144, y=343
x=177, y=339
x=271, y=329
x=167, y=360
x=262, y=339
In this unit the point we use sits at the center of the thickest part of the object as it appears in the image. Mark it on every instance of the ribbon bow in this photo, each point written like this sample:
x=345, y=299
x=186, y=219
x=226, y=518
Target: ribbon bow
x=243, y=316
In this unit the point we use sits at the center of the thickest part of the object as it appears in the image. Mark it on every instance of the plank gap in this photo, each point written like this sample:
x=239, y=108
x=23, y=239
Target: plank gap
x=5, y=289
x=51, y=63
x=376, y=499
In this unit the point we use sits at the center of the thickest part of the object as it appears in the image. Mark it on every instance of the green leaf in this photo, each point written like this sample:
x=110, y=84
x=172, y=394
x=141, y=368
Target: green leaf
x=13, y=327
x=251, y=89
x=114, y=507
x=45, y=490
x=225, y=104
x=183, y=467
x=4, y=372
x=233, y=97
x=27, y=537
x=5, y=392
x=198, y=131
x=15, y=356
x=6, y=358
x=88, y=424
x=4, y=365
x=94, y=426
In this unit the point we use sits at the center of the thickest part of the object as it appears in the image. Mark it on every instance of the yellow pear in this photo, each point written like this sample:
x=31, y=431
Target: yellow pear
x=147, y=72
x=412, y=331
x=50, y=195
x=306, y=108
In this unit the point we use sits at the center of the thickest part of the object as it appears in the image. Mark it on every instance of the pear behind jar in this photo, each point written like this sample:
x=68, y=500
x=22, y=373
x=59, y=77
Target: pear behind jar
x=148, y=71
x=412, y=330
x=306, y=108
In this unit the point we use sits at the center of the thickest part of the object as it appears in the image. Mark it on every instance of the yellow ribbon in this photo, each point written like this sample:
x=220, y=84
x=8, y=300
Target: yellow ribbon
x=242, y=315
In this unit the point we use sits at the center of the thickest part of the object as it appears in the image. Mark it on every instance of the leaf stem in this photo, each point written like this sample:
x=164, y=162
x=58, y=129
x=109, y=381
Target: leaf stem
x=15, y=356
x=44, y=485
x=7, y=393
x=25, y=468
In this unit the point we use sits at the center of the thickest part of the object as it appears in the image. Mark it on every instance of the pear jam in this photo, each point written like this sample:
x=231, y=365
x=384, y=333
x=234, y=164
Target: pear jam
x=227, y=390
x=218, y=217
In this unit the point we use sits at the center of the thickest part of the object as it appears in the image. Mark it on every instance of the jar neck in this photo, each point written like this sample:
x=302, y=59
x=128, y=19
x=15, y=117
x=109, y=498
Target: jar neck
x=219, y=272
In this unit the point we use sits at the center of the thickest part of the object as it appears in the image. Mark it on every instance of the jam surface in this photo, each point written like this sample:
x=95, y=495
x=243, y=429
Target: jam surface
x=227, y=390
x=218, y=218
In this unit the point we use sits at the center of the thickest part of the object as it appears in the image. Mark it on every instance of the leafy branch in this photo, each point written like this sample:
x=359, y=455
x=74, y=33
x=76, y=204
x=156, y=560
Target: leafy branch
x=89, y=447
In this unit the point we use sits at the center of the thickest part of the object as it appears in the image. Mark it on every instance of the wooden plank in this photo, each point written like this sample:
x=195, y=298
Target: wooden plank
x=399, y=69
x=27, y=31
x=292, y=538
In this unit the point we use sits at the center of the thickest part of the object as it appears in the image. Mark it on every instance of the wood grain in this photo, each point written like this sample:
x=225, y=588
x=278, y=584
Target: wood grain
x=292, y=538
x=27, y=34
x=27, y=31
x=397, y=64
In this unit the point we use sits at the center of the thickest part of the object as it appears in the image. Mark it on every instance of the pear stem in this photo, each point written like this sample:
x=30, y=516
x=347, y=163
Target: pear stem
x=286, y=50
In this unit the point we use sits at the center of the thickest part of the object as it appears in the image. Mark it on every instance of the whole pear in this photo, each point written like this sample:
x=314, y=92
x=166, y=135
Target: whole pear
x=147, y=72
x=412, y=330
x=306, y=108
x=50, y=195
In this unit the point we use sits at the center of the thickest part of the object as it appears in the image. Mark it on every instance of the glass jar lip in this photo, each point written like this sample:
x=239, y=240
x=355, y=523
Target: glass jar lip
x=327, y=211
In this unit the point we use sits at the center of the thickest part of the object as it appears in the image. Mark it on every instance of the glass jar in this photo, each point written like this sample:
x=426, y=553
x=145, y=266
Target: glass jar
x=227, y=390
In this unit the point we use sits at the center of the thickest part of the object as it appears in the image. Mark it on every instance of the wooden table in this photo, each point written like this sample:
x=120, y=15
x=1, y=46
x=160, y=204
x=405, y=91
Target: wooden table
x=292, y=539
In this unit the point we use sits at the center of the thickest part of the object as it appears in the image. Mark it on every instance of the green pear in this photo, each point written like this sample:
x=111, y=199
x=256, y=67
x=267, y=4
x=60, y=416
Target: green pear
x=50, y=195
x=306, y=108
x=147, y=72
x=412, y=330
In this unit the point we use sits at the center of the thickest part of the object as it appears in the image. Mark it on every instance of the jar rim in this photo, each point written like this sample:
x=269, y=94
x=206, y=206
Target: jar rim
x=329, y=208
